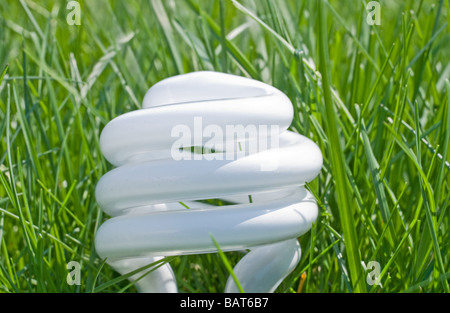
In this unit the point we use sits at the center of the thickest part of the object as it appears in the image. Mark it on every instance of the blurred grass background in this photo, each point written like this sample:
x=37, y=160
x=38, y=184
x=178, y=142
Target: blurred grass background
x=374, y=97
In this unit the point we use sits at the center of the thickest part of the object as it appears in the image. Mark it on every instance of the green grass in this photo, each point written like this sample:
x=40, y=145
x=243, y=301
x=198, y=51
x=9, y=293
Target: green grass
x=376, y=99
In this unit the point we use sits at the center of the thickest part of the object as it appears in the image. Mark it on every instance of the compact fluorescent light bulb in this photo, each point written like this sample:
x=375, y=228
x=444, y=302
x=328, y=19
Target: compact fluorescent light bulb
x=200, y=136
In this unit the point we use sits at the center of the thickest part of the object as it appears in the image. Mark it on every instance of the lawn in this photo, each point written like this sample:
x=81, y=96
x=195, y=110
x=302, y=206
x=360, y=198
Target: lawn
x=370, y=87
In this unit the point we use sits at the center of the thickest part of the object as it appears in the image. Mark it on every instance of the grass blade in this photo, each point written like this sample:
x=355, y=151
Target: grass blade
x=338, y=165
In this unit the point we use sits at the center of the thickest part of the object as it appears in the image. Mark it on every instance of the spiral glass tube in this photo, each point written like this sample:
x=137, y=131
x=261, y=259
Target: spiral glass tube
x=199, y=136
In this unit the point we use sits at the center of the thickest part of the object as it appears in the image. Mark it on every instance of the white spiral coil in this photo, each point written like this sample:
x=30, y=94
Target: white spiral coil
x=233, y=119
